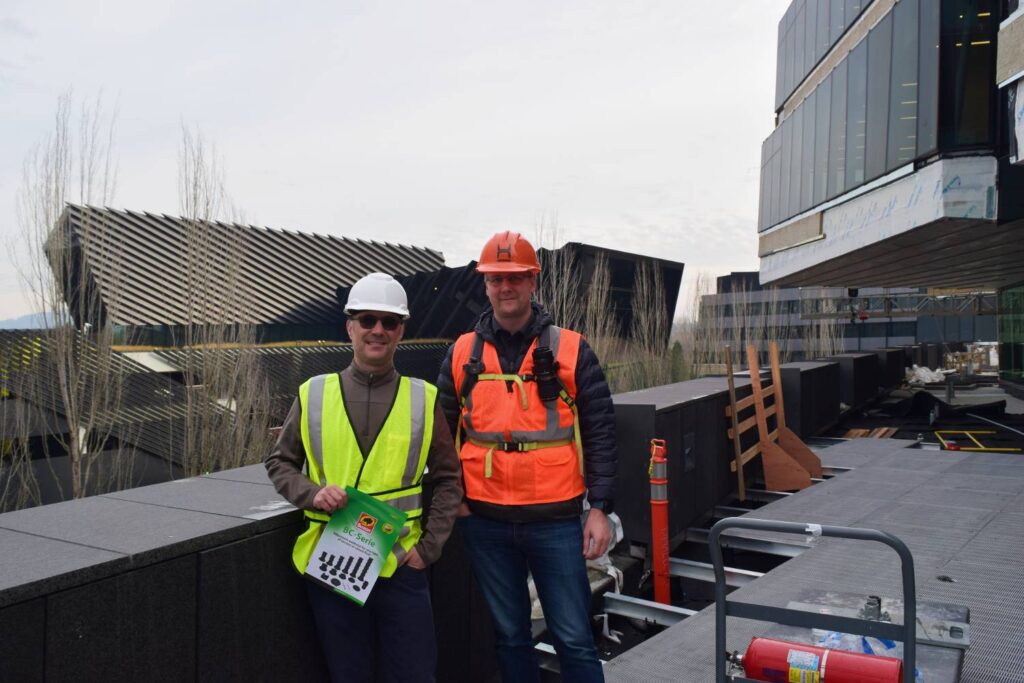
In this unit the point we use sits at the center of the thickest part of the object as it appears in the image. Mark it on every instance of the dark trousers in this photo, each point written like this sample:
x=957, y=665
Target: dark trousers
x=390, y=638
x=502, y=553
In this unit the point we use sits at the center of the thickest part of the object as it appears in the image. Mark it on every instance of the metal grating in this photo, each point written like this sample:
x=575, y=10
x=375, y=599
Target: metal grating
x=973, y=538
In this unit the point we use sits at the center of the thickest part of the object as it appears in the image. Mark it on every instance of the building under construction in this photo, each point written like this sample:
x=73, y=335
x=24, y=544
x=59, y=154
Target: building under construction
x=761, y=541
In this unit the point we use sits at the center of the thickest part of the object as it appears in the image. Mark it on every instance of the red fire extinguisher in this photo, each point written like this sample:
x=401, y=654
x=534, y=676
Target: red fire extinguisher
x=779, y=661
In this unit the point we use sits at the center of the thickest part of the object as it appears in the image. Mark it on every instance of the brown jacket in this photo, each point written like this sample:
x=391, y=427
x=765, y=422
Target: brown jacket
x=368, y=400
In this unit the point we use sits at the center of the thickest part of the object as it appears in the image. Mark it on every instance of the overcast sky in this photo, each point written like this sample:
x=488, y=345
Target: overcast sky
x=632, y=125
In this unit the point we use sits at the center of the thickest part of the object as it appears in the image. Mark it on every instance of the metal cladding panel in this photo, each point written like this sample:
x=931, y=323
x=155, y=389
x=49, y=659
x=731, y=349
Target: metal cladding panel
x=462, y=621
x=23, y=641
x=135, y=626
x=890, y=367
x=446, y=303
x=690, y=416
x=163, y=270
x=250, y=602
x=918, y=354
x=634, y=429
x=858, y=377
x=149, y=415
x=442, y=304
x=811, y=396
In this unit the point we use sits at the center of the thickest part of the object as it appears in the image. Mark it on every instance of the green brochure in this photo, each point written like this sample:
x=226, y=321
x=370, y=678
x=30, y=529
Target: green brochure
x=354, y=545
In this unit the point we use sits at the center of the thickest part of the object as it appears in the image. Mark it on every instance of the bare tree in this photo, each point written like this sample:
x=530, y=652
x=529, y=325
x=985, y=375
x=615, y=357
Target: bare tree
x=227, y=399
x=74, y=376
x=559, y=286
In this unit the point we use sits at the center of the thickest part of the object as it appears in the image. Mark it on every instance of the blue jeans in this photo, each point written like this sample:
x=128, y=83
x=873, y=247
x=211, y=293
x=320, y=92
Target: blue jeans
x=390, y=638
x=501, y=553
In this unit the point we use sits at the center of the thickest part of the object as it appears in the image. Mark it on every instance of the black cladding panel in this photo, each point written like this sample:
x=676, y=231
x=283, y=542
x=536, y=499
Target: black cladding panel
x=811, y=396
x=690, y=417
x=858, y=377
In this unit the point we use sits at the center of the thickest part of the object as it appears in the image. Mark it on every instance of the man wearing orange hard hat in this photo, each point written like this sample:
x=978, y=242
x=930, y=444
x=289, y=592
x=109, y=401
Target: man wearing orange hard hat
x=535, y=428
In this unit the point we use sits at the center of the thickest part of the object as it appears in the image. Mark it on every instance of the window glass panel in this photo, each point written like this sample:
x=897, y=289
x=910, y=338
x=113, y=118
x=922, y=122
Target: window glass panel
x=795, y=172
x=967, y=56
x=821, y=39
x=807, y=163
x=780, y=67
x=879, y=61
x=856, y=104
x=789, y=61
x=856, y=109
x=762, y=195
x=835, y=20
x=799, y=65
x=902, y=146
x=810, y=35
x=837, y=133
x=785, y=175
x=776, y=175
x=1010, y=116
x=853, y=8
x=824, y=96
x=928, y=79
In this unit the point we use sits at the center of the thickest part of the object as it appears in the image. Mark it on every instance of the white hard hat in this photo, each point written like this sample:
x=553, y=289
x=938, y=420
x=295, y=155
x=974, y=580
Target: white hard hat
x=377, y=292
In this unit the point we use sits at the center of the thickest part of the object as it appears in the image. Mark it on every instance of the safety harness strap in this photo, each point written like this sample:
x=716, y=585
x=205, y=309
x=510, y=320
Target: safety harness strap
x=515, y=447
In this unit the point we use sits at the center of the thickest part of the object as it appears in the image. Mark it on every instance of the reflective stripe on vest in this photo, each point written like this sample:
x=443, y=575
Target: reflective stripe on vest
x=391, y=472
x=551, y=337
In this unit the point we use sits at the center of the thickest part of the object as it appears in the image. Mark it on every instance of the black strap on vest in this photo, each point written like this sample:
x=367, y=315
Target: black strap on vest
x=472, y=369
x=475, y=366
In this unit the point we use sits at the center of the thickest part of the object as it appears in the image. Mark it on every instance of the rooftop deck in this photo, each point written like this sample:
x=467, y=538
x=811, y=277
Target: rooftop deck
x=961, y=514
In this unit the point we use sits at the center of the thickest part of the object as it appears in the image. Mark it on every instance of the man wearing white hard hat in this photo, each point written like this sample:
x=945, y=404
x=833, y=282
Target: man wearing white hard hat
x=371, y=429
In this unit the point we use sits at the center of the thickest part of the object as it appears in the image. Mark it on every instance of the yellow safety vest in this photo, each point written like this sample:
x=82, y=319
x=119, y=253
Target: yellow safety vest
x=393, y=470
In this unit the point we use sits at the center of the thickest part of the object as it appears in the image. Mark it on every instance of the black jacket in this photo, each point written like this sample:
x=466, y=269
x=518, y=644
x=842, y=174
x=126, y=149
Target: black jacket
x=593, y=400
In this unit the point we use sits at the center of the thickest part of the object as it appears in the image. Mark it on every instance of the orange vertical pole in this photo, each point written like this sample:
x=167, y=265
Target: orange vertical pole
x=658, y=471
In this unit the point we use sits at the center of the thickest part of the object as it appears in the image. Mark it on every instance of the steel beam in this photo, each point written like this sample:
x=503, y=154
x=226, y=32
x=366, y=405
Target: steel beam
x=752, y=544
x=764, y=496
x=723, y=511
x=702, y=571
x=638, y=608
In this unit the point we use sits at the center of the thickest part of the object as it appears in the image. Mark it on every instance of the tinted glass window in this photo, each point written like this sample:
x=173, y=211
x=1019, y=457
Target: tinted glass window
x=762, y=194
x=784, y=177
x=797, y=137
x=811, y=34
x=824, y=95
x=807, y=164
x=780, y=67
x=821, y=38
x=928, y=79
x=1011, y=122
x=835, y=20
x=967, y=55
x=837, y=133
x=776, y=167
x=879, y=59
x=853, y=8
x=856, y=108
x=902, y=145
x=797, y=34
x=789, y=60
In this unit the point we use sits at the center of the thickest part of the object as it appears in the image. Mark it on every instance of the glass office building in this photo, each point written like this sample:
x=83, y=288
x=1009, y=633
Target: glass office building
x=883, y=105
x=897, y=159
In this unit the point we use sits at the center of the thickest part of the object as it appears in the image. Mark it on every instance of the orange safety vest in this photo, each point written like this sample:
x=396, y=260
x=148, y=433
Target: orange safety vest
x=519, y=450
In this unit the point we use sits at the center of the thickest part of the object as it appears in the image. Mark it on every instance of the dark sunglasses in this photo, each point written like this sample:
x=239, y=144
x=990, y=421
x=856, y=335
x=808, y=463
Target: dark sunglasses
x=368, y=322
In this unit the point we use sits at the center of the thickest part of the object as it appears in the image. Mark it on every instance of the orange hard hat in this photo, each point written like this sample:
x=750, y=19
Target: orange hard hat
x=508, y=252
